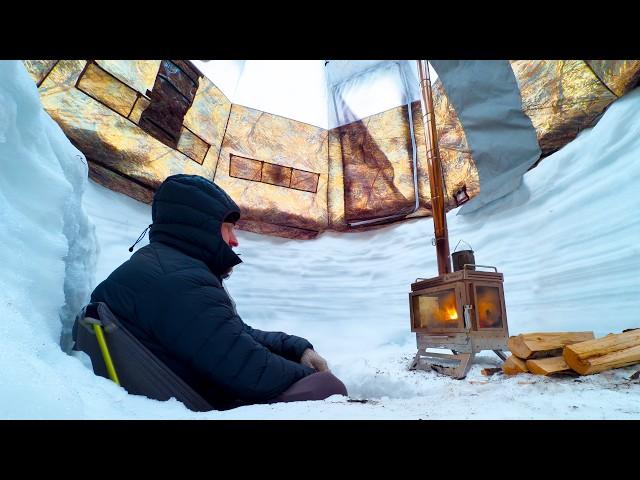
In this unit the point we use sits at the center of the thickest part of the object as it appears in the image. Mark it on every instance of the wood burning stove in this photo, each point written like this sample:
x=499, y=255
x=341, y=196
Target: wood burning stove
x=464, y=310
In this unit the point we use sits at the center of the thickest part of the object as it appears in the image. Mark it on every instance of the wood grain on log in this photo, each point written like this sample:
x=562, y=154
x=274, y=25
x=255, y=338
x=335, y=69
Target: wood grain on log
x=612, y=351
x=513, y=365
x=547, y=366
x=542, y=345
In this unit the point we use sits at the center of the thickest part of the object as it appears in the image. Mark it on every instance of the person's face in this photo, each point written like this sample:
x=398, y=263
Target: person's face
x=228, y=234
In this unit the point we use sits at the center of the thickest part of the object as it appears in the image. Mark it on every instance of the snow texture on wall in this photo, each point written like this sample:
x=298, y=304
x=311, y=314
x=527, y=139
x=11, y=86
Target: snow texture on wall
x=47, y=247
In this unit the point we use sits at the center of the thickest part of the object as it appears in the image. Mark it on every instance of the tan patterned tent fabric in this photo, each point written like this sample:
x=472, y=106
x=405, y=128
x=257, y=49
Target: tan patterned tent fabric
x=139, y=121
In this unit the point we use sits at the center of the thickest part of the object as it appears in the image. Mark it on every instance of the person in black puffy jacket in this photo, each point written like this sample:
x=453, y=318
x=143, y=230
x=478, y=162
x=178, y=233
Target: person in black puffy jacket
x=170, y=295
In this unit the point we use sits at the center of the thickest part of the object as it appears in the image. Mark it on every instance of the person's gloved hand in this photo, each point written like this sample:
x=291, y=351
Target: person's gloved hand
x=310, y=358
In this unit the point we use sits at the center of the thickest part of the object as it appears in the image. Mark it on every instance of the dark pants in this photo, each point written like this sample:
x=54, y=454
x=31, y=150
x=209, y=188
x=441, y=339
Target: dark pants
x=316, y=386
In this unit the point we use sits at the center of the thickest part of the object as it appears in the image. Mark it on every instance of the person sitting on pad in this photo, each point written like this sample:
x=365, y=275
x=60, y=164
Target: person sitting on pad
x=171, y=296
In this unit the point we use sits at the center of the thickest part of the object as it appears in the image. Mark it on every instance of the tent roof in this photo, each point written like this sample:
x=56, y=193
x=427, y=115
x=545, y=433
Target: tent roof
x=324, y=93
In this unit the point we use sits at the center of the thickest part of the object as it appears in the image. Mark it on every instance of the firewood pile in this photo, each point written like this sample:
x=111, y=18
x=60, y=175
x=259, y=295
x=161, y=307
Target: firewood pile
x=577, y=353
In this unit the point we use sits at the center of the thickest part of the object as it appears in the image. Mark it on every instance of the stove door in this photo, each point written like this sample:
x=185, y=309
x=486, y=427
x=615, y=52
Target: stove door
x=437, y=309
x=490, y=311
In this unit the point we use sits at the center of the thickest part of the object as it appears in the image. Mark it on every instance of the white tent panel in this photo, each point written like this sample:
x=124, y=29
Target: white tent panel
x=225, y=74
x=360, y=88
x=323, y=93
x=294, y=89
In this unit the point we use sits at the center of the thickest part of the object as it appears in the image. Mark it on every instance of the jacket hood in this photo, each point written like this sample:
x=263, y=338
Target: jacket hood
x=187, y=213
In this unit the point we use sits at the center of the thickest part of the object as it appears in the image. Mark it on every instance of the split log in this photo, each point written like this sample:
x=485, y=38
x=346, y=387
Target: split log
x=547, y=366
x=542, y=345
x=612, y=351
x=513, y=365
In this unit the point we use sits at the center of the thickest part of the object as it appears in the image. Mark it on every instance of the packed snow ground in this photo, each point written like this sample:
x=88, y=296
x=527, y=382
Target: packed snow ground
x=566, y=242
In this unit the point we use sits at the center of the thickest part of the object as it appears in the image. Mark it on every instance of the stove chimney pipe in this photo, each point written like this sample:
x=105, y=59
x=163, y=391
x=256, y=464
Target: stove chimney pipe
x=436, y=179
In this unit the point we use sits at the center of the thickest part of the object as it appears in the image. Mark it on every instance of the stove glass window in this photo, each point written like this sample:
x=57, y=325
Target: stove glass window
x=437, y=310
x=489, y=307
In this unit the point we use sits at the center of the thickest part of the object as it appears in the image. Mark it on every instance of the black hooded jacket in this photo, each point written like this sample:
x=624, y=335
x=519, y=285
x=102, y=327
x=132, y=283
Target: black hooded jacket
x=169, y=294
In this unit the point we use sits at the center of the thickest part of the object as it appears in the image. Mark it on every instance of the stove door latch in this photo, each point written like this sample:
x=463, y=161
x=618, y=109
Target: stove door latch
x=467, y=317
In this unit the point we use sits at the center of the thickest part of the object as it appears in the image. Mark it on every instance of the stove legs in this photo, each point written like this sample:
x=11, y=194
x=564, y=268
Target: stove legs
x=502, y=356
x=456, y=366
